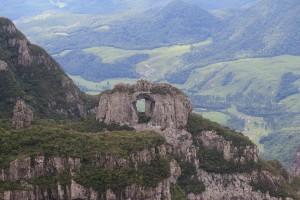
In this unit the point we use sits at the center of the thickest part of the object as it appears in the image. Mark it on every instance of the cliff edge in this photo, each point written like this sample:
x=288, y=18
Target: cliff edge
x=174, y=154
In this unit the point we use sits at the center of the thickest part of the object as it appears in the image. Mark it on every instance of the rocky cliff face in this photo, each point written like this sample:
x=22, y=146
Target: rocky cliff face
x=217, y=185
x=30, y=168
x=204, y=160
x=3, y=65
x=295, y=168
x=27, y=71
x=23, y=115
x=166, y=107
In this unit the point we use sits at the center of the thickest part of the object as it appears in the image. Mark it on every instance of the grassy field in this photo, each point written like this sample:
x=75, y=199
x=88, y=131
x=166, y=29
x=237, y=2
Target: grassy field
x=254, y=126
x=161, y=60
x=219, y=117
x=97, y=87
x=265, y=73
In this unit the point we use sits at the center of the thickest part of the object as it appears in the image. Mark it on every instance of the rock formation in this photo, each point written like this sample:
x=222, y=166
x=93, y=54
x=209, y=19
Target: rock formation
x=295, y=168
x=22, y=116
x=3, y=65
x=32, y=71
x=166, y=106
x=168, y=110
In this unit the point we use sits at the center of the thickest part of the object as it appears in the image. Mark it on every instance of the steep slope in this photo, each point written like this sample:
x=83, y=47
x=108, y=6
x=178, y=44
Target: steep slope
x=179, y=22
x=223, y=4
x=27, y=72
x=268, y=28
x=186, y=157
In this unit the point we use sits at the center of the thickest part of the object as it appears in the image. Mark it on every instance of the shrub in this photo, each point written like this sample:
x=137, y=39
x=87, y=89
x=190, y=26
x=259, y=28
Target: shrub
x=187, y=182
x=196, y=124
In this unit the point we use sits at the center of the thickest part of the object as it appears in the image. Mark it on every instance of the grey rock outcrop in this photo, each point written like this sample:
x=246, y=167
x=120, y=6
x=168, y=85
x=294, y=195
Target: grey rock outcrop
x=22, y=115
x=230, y=152
x=217, y=186
x=8, y=27
x=3, y=65
x=168, y=111
x=33, y=167
x=166, y=106
x=295, y=167
x=23, y=65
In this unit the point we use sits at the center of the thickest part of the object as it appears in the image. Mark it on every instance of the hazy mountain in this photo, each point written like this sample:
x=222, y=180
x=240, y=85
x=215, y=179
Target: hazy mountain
x=152, y=28
x=269, y=28
x=177, y=23
x=35, y=7
x=224, y=4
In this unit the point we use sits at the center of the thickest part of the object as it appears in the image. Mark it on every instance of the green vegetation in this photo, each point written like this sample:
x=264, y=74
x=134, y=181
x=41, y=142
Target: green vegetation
x=211, y=160
x=186, y=180
x=68, y=139
x=83, y=138
x=177, y=193
x=218, y=117
x=278, y=188
x=166, y=89
x=274, y=167
x=49, y=182
x=43, y=85
x=10, y=185
x=281, y=145
x=196, y=124
x=101, y=179
x=280, y=191
x=159, y=62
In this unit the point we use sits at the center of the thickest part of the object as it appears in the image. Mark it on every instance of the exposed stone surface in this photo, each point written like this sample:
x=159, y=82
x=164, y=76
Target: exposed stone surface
x=24, y=56
x=169, y=110
x=8, y=27
x=165, y=105
x=232, y=186
x=3, y=65
x=22, y=115
x=295, y=167
x=218, y=186
x=27, y=65
x=24, y=170
x=212, y=140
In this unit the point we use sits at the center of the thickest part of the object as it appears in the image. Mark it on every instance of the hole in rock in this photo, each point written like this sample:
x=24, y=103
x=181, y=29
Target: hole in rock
x=144, y=106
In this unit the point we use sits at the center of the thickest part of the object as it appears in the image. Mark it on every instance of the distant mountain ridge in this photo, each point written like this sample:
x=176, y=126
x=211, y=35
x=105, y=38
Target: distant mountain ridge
x=268, y=28
x=35, y=7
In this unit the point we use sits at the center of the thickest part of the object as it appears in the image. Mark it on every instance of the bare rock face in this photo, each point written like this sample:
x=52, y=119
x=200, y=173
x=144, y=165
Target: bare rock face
x=3, y=65
x=295, y=168
x=23, y=115
x=212, y=140
x=165, y=106
x=10, y=28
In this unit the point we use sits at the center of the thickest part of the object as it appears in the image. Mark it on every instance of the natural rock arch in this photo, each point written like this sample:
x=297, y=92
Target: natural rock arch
x=166, y=106
x=149, y=108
